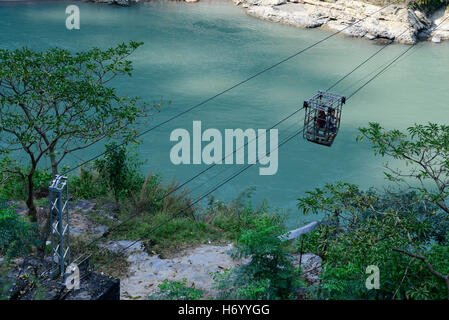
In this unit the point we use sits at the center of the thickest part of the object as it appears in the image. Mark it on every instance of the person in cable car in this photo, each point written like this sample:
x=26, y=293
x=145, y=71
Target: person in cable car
x=331, y=120
x=321, y=119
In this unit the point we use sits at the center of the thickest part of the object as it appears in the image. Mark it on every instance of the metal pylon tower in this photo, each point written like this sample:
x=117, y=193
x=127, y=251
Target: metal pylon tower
x=59, y=226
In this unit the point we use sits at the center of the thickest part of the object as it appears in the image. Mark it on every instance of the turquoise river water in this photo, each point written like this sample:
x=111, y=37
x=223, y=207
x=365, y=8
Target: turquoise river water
x=193, y=51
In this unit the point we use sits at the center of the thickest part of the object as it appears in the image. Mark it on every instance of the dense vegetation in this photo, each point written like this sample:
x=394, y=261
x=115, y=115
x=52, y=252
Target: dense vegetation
x=401, y=230
x=423, y=5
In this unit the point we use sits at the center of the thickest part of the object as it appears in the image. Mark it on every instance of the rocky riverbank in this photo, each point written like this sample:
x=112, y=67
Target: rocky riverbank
x=441, y=17
x=397, y=23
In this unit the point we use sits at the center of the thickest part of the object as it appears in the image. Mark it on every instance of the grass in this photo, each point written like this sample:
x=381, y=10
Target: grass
x=154, y=221
x=103, y=260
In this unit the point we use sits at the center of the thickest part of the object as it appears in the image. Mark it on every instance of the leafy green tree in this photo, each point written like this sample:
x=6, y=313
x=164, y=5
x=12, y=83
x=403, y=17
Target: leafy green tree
x=54, y=102
x=366, y=232
x=425, y=151
x=403, y=232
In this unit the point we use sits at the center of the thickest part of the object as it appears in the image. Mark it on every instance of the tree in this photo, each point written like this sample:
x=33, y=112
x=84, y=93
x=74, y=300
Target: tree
x=366, y=232
x=405, y=231
x=425, y=151
x=55, y=102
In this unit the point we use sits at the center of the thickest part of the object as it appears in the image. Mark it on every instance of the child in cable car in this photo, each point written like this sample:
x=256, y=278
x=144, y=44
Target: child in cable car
x=321, y=119
x=331, y=120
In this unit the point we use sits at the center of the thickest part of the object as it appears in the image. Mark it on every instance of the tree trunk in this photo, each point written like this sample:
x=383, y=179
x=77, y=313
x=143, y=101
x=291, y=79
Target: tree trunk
x=30, y=200
x=44, y=230
x=54, y=164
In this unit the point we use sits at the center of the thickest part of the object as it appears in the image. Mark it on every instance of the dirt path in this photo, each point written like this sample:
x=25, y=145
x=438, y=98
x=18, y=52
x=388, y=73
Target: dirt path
x=195, y=265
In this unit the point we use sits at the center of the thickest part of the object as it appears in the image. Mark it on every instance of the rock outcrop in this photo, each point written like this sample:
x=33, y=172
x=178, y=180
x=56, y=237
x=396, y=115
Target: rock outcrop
x=396, y=22
x=440, y=19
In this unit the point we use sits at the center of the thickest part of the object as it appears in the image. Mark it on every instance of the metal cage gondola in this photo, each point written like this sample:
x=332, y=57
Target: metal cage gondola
x=322, y=117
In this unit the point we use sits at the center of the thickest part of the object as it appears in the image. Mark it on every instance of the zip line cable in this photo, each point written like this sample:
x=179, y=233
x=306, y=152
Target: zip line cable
x=188, y=181
x=380, y=72
x=250, y=165
x=391, y=63
x=238, y=84
x=282, y=143
x=365, y=61
x=219, y=185
x=105, y=234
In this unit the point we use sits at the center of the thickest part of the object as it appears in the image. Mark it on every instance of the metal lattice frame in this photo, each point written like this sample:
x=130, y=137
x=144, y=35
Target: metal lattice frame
x=59, y=226
x=320, y=104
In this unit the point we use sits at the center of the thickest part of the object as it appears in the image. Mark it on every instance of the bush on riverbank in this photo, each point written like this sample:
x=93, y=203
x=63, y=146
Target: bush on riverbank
x=269, y=273
x=403, y=233
x=17, y=236
x=148, y=209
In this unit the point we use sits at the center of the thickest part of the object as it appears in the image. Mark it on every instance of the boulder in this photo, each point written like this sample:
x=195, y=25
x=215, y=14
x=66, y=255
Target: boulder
x=310, y=265
x=82, y=205
x=441, y=24
x=264, y=2
x=436, y=39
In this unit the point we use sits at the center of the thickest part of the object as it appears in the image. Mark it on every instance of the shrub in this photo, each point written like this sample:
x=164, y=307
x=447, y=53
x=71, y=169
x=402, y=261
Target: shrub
x=372, y=242
x=16, y=235
x=174, y=290
x=87, y=185
x=13, y=187
x=269, y=274
x=118, y=171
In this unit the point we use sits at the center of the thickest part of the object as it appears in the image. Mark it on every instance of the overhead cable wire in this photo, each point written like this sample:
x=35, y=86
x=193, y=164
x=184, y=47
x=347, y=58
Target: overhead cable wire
x=239, y=83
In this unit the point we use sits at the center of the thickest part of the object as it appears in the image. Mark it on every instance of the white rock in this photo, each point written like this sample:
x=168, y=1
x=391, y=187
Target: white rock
x=272, y=2
x=436, y=39
x=335, y=15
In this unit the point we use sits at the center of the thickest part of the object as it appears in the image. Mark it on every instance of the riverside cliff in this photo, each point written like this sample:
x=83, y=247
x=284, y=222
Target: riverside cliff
x=397, y=22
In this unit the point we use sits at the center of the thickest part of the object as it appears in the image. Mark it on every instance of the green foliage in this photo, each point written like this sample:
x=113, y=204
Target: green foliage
x=365, y=228
x=16, y=235
x=13, y=186
x=424, y=150
x=269, y=274
x=171, y=233
x=174, y=290
x=55, y=97
x=56, y=102
x=87, y=185
x=236, y=217
x=430, y=5
x=118, y=171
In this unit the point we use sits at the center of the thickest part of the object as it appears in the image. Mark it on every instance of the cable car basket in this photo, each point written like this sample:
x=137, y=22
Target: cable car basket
x=322, y=117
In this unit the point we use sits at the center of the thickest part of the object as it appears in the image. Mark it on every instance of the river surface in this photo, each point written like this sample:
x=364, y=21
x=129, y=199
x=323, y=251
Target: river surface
x=193, y=51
